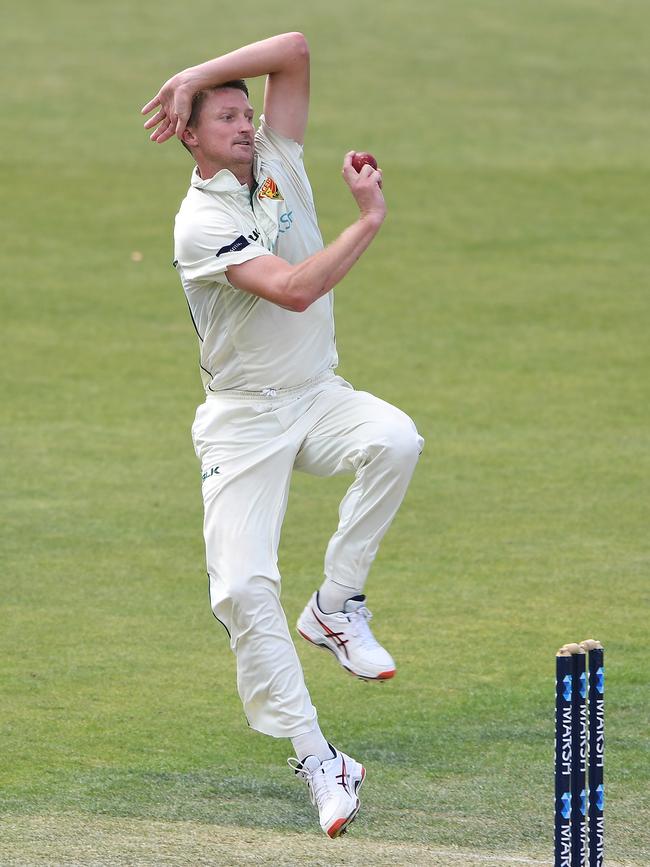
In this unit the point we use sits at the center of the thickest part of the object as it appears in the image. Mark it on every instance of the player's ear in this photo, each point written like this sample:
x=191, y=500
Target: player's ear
x=188, y=137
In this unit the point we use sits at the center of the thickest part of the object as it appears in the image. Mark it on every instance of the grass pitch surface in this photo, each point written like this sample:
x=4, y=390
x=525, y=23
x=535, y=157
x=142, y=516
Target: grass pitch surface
x=504, y=306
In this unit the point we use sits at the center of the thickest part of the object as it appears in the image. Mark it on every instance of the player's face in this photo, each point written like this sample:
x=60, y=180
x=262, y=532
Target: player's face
x=225, y=130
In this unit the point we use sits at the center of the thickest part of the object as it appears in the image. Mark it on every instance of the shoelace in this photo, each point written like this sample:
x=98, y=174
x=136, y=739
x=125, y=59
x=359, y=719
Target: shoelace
x=359, y=627
x=316, y=781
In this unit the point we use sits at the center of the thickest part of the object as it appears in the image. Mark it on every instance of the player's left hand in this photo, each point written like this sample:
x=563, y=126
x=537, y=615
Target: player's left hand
x=174, y=103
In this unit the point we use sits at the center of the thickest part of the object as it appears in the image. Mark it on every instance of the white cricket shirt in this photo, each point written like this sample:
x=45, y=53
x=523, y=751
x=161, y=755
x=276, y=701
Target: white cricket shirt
x=246, y=342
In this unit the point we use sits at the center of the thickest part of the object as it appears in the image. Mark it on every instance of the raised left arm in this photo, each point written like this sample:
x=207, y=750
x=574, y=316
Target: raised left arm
x=283, y=58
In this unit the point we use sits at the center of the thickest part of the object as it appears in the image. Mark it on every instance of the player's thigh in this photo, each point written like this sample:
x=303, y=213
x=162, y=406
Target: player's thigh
x=246, y=462
x=228, y=428
x=354, y=426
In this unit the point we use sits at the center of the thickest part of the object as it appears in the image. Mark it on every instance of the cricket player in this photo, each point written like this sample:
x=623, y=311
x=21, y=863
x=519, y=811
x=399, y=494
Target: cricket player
x=258, y=283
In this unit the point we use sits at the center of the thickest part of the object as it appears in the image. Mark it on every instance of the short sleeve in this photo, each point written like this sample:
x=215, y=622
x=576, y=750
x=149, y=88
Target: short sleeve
x=270, y=144
x=205, y=251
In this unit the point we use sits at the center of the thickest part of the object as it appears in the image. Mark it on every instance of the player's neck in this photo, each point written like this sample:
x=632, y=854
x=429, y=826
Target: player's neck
x=243, y=172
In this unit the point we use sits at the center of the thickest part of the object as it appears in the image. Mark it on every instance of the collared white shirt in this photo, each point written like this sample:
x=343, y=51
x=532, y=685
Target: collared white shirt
x=246, y=342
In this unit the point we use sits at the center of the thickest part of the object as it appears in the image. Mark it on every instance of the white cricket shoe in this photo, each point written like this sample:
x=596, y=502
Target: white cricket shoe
x=333, y=787
x=347, y=634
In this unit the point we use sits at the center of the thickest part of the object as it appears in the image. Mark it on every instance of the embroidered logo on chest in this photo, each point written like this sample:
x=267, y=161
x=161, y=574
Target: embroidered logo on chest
x=269, y=190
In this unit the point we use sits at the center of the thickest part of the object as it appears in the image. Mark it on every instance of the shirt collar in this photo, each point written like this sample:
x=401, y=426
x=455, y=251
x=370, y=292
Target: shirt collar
x=223, y=182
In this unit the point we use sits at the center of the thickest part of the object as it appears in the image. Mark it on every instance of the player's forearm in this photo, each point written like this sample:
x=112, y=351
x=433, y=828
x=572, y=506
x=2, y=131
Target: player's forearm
x=318, y=274
x=259, y=58
x=297, y=286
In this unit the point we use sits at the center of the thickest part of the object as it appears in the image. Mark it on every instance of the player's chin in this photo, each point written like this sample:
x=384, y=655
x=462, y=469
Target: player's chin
x=243, y=153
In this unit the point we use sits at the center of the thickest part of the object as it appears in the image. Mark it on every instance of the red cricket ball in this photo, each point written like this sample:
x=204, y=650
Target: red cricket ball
x=359, y=160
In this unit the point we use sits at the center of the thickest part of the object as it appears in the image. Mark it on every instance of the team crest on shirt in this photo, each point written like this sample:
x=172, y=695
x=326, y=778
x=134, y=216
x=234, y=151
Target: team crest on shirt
x=269, y=190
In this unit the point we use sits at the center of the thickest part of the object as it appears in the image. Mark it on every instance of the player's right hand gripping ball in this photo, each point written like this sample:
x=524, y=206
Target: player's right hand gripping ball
x=361, y=159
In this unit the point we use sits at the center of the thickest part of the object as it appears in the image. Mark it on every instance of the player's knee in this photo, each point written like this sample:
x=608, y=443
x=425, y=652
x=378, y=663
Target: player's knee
x=403, y=445
x=244, y=586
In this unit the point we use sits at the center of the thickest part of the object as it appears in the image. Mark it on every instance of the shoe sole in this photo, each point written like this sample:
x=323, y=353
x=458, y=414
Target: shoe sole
x=341, y=825
x=379, y=678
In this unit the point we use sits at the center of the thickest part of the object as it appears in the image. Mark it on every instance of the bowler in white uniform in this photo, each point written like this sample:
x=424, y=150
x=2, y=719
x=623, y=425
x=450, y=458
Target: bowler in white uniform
x=258, y=283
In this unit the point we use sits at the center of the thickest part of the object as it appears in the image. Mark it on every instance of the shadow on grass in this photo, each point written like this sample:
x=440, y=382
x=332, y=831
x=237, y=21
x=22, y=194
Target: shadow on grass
x=200, y=796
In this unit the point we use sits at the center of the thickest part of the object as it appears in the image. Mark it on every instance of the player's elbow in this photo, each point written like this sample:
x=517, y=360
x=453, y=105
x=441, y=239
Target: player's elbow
x=295, y=300
x=296, y=295
x=298, y=304
x=297, y=46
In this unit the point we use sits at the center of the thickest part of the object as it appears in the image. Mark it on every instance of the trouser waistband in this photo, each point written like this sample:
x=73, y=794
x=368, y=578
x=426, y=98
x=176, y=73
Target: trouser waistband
x=271, y=393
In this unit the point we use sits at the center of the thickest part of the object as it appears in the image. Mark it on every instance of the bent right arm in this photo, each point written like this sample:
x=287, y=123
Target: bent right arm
x=296, y=287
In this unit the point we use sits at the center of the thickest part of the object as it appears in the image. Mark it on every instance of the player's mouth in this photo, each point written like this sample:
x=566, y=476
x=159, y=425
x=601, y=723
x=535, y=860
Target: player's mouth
x=245, y=142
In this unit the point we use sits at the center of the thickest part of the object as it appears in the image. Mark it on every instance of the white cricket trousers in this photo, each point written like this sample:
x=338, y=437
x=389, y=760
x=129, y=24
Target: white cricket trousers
x=248, y=444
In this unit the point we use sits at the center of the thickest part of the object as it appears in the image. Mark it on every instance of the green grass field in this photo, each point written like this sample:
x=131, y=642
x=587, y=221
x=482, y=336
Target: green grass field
x=505, y=306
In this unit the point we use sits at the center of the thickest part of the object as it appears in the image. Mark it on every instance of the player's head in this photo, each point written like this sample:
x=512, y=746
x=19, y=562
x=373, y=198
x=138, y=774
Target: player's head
x=220, y=129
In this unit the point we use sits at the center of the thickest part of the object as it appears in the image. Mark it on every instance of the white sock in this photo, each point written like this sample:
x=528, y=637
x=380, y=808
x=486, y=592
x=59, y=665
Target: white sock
x=312, y=744
x=332, y=596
